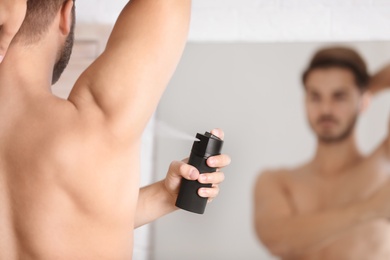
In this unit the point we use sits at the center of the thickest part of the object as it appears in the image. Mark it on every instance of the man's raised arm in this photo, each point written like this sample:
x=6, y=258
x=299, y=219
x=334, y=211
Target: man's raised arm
x=379, y=82
x=126, y=82
x=12, y=13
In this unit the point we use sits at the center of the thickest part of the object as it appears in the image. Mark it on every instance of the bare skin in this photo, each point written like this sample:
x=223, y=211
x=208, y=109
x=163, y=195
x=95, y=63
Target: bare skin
x=335, y=206
x=12, y=14
x=69, y=169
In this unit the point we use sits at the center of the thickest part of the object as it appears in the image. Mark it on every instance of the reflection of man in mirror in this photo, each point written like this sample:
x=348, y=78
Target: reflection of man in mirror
x=337, y=206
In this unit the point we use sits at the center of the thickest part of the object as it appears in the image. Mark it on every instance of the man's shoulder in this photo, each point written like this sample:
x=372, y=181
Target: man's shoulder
x=272, y=175
x=282, y=172
x=279, y=176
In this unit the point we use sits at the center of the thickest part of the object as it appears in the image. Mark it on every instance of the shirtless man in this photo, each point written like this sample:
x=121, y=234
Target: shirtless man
x=69, y=169
x=336, y=206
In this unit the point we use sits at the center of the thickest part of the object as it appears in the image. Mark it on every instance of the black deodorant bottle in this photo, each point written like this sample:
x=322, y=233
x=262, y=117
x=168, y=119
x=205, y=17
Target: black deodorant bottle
x=188, y=198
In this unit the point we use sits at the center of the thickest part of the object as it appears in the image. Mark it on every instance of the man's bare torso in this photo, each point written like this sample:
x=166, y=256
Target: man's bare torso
x=308, y=193
x=69, y=170
x=68, y=188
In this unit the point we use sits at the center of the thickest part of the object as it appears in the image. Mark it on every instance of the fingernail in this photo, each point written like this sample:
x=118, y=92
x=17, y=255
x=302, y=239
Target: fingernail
x=211, y=161
x=203, y=177
x=204, y=192
x=193, y=174
x=216, y=132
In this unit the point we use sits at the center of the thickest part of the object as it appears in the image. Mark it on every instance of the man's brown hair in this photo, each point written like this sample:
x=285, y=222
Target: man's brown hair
x=342, y=57
x=40, y=14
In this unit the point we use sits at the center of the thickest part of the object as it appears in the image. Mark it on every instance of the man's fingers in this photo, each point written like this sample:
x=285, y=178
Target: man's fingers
x=184, y=170
x=219, y=161
x=185, y=160
x=209, y=192
x=213, y=178
x=218, y=132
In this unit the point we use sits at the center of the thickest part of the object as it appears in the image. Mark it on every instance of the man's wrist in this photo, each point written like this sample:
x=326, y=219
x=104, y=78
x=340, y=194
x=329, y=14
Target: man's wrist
x=167, y=197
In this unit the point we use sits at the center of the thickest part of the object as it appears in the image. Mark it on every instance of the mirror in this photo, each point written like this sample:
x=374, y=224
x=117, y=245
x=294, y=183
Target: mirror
x=253, y=92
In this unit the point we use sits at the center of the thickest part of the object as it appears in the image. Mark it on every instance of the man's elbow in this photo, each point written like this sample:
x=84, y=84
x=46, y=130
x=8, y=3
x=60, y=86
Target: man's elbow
x=279, y=247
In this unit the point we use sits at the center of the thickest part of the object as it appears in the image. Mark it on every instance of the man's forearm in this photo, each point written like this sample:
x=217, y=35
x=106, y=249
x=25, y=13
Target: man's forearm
x=380, y=80
x=153, y=202
x=294, y=235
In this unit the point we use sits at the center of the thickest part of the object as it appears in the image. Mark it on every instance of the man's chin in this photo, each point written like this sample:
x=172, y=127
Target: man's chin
x=328, y=139
x=328, y=135
x=331, y=137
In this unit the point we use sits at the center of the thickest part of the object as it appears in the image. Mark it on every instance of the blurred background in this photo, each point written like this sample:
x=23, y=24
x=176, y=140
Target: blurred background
x=253, y=92
x=240, y=72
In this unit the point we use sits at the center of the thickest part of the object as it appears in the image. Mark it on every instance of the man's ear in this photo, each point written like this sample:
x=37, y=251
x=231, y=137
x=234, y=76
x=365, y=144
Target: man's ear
x=365, y=101
x=66, y=17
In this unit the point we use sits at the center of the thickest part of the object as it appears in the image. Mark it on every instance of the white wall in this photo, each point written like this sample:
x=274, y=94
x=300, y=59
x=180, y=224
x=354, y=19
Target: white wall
x=270, y=20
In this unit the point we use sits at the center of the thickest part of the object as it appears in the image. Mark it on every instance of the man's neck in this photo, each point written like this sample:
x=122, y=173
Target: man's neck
x=26, y=71
x=331, y=159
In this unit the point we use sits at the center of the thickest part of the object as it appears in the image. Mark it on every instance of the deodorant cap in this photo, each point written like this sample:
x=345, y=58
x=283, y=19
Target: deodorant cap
x=208, y=145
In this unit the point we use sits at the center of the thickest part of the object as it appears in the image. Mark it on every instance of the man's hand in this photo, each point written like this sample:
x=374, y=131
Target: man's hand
x=12, y=13
x=158, y=199
x=180, y=169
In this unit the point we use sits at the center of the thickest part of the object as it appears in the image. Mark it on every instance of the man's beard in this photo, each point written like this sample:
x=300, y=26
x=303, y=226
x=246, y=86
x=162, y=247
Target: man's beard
x=64, y=54
x=345, y=133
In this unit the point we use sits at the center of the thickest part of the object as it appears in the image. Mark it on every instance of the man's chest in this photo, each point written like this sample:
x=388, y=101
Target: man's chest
x=367, y=241
x=315, y=194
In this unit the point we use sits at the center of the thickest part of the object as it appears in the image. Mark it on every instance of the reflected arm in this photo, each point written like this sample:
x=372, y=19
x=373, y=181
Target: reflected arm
x=381, y=81
x=289, y=234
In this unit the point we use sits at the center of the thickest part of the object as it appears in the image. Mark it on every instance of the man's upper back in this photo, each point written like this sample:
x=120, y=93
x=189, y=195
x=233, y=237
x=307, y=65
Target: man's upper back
x=69, y=169
x=67, y=185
